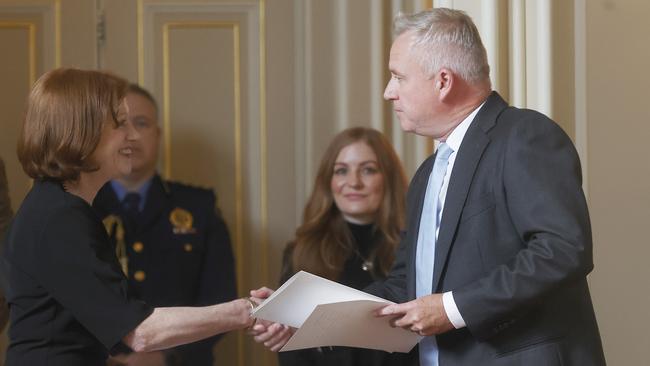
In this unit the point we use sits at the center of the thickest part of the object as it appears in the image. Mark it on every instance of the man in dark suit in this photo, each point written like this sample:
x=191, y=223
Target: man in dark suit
x=492, y=268
x=172, y=244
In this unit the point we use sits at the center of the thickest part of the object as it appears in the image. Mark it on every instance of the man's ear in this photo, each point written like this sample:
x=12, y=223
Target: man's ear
x=444, y=82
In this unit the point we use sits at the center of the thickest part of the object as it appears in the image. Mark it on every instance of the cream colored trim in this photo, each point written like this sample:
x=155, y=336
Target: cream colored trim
x=263, y=137
x=263, y=143
x=57, y=33
x=518, y=53
x=166, y=114
x=309, y=107
x=444, y=4
x=397, y=135
x=31, y=29
x=140, y=21
x=545, y=57
x=377, y=63
x=300, y=106
x=342, y=71
x=580, y=70
x=237, y=105
x=264, y=237
x=490, y=19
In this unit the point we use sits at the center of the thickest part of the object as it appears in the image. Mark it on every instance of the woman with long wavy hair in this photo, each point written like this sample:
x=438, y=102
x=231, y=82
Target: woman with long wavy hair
x=350, y=231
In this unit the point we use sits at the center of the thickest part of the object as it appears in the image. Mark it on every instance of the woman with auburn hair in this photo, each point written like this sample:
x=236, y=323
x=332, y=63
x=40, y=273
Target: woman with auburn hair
x=68, y=298
x=350, y=231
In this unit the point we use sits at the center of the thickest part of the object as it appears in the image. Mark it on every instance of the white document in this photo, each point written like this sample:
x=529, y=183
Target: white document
x=327, y=313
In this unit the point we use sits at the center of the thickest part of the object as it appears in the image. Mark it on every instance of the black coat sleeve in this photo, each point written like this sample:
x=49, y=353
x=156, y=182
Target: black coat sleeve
x=77, y=265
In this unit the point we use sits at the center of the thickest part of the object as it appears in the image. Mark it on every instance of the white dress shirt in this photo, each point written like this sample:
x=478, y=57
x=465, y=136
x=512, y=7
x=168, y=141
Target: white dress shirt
x=454, y=140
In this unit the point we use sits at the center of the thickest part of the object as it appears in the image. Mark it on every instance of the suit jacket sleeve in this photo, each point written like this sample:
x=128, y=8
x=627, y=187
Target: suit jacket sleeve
x=543, y=200
x=78, y=267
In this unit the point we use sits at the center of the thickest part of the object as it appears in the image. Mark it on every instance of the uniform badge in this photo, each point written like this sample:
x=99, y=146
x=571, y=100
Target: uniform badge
x=182, y=221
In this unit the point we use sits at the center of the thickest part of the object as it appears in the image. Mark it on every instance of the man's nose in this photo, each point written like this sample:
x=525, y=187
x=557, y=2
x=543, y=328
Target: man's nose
x=132, y=133
x=389, y=92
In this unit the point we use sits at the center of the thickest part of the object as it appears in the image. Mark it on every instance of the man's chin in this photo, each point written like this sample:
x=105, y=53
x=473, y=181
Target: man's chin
x=407, y=126
x=124, y=171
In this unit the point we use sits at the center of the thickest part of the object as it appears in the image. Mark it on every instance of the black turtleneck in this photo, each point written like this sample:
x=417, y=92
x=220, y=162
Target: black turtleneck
x=364, y=241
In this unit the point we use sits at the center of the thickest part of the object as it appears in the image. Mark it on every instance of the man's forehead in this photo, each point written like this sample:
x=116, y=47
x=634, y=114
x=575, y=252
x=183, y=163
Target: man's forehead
x=401, y=51
x=402, y=46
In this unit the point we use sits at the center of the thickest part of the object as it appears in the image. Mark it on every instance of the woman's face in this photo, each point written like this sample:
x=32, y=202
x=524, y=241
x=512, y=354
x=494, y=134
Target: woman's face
x=357, y=184
x=113, y=153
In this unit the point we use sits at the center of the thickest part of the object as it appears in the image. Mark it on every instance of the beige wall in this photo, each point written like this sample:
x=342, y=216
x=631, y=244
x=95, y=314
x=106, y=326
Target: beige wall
x=618, y=55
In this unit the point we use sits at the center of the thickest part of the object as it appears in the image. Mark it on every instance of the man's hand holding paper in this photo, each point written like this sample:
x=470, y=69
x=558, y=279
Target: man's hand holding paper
x=425, y=315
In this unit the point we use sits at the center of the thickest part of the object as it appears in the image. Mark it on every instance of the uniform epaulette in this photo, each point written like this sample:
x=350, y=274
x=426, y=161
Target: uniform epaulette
x=183, y=188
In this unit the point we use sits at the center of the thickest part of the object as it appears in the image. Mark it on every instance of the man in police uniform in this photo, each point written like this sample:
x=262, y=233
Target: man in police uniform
x=171, y=242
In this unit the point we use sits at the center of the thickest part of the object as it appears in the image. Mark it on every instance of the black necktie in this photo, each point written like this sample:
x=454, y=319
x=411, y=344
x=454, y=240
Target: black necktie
x=131, y=207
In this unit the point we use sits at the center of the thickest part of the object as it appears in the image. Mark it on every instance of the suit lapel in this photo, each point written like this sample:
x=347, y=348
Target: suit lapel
x=467, y=159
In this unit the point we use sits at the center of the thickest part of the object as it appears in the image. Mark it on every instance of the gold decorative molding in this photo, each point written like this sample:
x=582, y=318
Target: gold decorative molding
x=140, y=14
x=237, y=106
x=57, y=33
x=263, y=142
x=31, y=29
x=263, y=152
x=239, y=202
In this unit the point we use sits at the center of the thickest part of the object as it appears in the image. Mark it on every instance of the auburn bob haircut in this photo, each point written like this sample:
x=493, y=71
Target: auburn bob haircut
x=66, y=112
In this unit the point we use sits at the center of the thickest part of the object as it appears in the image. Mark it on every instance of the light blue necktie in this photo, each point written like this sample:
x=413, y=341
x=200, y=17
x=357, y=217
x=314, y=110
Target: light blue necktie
x=426, y=246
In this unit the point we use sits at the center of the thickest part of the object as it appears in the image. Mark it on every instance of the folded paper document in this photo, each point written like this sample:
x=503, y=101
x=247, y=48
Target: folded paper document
x=327, y=313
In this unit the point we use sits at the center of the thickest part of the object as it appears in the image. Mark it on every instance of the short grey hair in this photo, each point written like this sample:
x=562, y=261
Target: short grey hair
x=446, y=38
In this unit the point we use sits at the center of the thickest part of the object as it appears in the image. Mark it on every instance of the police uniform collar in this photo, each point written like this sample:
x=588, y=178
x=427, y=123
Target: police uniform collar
x=164, y=184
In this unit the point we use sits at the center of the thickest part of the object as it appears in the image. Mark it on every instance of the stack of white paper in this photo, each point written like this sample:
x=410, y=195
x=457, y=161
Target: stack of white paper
x=327, y=313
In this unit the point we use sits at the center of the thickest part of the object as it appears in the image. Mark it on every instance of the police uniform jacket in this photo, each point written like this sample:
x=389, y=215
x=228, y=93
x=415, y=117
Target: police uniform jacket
x=178, y=252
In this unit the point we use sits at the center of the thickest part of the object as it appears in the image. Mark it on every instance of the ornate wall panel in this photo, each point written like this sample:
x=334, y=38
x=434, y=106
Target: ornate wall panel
x=29, y=36
x=203, y=62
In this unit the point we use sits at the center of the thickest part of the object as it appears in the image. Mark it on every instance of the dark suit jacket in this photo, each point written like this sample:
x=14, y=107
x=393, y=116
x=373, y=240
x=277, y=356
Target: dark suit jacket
x=5, y=217
x=174, y=266
x=514, y=245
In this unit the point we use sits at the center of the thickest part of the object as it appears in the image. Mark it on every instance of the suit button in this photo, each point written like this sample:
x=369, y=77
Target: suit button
x=139, y=276
x=138, y=247
x=187, y=247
